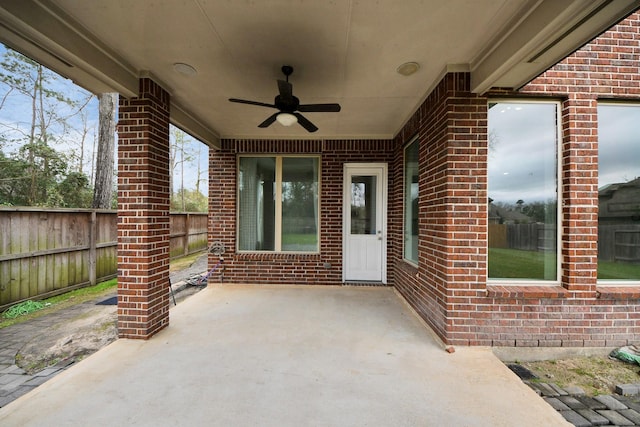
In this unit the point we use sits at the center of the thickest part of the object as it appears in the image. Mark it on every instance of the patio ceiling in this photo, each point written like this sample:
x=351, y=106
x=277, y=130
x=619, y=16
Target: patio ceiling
x=344, y=51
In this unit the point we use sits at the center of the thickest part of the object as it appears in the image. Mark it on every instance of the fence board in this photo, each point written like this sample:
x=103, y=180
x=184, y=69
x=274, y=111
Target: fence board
x=46, y=252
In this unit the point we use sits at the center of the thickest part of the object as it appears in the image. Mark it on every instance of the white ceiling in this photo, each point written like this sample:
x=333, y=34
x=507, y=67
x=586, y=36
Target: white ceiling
x=344, y=51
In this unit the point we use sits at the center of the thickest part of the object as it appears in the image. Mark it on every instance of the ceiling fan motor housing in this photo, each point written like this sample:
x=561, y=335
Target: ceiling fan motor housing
x=287, y=105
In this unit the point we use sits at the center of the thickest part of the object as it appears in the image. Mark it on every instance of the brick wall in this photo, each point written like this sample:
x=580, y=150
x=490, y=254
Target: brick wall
x=579, y=312
x=323, y=268
x=143, y=212
x=451, y=128
x=449, y=289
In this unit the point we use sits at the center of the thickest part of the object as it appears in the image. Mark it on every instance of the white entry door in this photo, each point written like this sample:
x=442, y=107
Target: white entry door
x=365, y=221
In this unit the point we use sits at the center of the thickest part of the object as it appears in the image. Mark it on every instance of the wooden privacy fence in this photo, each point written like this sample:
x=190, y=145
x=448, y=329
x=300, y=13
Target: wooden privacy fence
x=527, y=237
x=52, y=251
x=619, y=242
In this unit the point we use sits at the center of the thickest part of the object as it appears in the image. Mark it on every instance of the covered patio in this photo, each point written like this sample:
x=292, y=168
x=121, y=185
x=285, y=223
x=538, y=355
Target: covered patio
x=262, y=354
x=415, y=71
x=283, y=355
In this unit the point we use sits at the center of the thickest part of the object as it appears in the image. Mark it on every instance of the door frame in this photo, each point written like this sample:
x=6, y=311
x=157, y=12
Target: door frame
x=353, y=169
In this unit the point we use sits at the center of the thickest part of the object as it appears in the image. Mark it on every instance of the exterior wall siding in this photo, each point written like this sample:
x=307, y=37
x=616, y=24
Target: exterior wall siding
x=323, y=268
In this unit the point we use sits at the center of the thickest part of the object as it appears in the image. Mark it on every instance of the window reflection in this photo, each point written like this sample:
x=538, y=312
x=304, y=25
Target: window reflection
x=523, y=204
x=411, y=202
x=618, y=192
x=363, y=205
x=259, y=220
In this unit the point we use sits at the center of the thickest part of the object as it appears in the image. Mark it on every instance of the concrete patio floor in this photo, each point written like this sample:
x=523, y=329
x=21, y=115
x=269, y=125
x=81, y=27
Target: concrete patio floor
x=238, y=355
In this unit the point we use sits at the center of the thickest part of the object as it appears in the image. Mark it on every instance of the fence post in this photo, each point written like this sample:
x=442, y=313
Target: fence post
x=92, y=248
x=187, y=231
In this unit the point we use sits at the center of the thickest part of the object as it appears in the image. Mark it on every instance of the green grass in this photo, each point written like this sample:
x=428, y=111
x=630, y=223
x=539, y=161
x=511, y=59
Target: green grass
x=90, y=291
x=618, y=270
x=78, y=296
x=299, y=239
x=62, y=301
x=300, y=242
x=518, y=264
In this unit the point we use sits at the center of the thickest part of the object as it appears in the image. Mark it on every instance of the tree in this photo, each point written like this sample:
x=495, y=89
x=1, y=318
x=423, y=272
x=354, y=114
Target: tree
x=179, y=154
x=103, y=188
x=75, y=191
x=13, y=181
x=45, y=169
x=189, y=201
x=42, y=121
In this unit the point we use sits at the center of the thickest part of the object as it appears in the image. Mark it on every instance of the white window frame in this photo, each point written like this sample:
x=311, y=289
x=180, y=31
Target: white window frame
x=613, y=282
x=559, y=217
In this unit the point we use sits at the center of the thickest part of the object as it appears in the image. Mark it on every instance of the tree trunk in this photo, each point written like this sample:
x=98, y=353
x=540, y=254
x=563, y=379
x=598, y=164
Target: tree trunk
x=103, y=189
x=182, y=174
x=32, y=140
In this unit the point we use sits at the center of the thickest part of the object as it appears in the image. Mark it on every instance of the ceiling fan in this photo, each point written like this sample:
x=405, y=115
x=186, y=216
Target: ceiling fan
x=289, y=106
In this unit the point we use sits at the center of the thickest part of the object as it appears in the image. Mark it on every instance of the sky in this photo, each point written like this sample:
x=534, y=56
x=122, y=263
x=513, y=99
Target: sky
x=523, y=147
x=15, y=115
x=522, y=152
x=619, y=143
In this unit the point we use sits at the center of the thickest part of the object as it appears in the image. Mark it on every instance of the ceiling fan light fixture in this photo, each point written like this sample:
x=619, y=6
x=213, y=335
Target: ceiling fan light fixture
x=408, y=68
x=286, y=119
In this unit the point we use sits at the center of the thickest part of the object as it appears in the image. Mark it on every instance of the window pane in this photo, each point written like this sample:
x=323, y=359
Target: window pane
x=300, y=204
x=618, y=192
x=523, y=200
x=411, y=202
x=363, y=204
x=256, y=194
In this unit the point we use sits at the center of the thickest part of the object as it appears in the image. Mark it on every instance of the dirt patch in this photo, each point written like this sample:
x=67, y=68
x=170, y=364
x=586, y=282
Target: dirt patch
x=71, y=340
x=595, y=375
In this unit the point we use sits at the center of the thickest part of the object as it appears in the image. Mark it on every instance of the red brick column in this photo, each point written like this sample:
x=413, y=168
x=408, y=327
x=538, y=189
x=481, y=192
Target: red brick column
x=465, y=199
x=580, y=194
x=143, y=212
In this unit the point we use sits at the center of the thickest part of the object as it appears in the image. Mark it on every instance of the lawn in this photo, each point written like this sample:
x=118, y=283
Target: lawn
x=518, y=264
x=307, y=242
x=618, y=270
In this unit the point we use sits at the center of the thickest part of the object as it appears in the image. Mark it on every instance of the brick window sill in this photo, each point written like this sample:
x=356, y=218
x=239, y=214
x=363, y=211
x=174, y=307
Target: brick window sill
x=272, y=256
x=618, y=292
x=526, y=291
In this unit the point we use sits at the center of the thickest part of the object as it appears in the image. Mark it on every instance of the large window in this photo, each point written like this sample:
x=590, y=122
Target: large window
x=411, y=202
x=618, y=192
x=278, y=204
x=523, y=200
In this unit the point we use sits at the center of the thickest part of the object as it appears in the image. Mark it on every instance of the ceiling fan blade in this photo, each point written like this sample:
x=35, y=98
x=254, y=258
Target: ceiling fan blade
x=286, y=89
x=305, y=123
x=244, y=101
x=319, y=108
x=270, y=119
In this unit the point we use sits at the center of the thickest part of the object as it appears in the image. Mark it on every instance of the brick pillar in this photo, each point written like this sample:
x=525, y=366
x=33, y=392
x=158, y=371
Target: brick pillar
x=580, y=194
x=143, y=212
x=465, y=202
